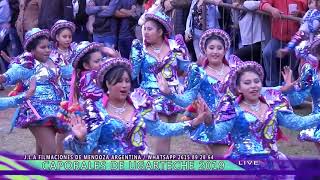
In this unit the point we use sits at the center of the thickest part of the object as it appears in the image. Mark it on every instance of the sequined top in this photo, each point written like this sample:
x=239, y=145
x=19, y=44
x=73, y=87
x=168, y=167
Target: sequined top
x=251, y=136
x=11, y=102
x=198, y=82
x=90, y=93
x=149, y=66
x=62, y=60
x=21, y=68
x=44, y=103
x=115, y=136
x=309, y=86
x=309, y=18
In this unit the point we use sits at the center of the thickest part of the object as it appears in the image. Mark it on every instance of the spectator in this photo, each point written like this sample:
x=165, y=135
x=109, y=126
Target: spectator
x=50, y=12
x=253, y=30
x=15, y=46
x=105, y=25
x=282, y=31
x=28, y=16
x=195, y=23
x=75, y=11
x=128, y=19
x=178, y=14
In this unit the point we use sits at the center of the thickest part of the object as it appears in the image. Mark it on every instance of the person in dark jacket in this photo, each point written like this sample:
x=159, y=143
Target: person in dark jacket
x=75, y=11
x=50, y=12
x=105, y=25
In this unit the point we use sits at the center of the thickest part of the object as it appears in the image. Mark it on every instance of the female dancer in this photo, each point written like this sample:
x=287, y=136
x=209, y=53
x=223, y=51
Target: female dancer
x=211, y=81
x=127, y=117
x=61, y=32
x=252, y=119
x=86, y=60
x=158, y=54
x=309, y=85
x=38, y=114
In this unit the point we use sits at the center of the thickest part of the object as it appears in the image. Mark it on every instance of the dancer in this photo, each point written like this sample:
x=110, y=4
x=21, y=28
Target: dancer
x=159, y=54
x=309, y=85
x=127, y=117
x=86, y=59
x=210, y=81
x=61, y=32
x=38, y=114
x=252, y=119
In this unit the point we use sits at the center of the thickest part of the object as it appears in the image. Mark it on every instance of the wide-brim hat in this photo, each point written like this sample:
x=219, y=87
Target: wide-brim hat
x=214, y=32
x=33, y=34
x=162, y=18
x=108, y=65
x=60, y=24
x=239, y=69
x=82, y=48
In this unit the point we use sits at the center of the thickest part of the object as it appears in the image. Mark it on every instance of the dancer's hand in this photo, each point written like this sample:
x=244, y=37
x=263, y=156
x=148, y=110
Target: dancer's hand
x=282, y=52
x=204, y=113
x=78, y=127
x=32, y=87
x=163, y=84
x=287, y=77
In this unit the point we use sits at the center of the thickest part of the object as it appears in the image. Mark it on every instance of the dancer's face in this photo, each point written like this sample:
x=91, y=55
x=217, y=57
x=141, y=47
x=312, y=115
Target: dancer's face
x=152, y=33
x=215, y=52
x=250, y=86
x=64, y=38
x=94, y=62
x=42, y=51
x=121, y=89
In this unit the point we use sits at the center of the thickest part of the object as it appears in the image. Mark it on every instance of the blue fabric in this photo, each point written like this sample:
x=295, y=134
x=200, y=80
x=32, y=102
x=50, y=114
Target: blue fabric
x=11, y=102
x=126, y=25
x=115, y=136
x=310, y=86
x=251, y=136
x=106, y=39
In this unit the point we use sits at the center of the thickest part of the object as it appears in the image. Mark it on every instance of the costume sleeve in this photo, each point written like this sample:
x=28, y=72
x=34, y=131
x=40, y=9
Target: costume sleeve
x=136, y=57
x=163, y=129
x=212, y=133
x=88, y=87
x=295, y=122
x=297, y=39
x=223, y=123
x=308, y=76
x=182, y=53
x=73, y=144
x=11, y=102
x=66, y=71
x=17, y=72
x=154, y=125
x=195, y=77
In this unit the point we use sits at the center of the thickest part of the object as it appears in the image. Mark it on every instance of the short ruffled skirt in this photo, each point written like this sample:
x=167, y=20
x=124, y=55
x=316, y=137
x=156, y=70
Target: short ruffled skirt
x=41, y=110
x=163, y=105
